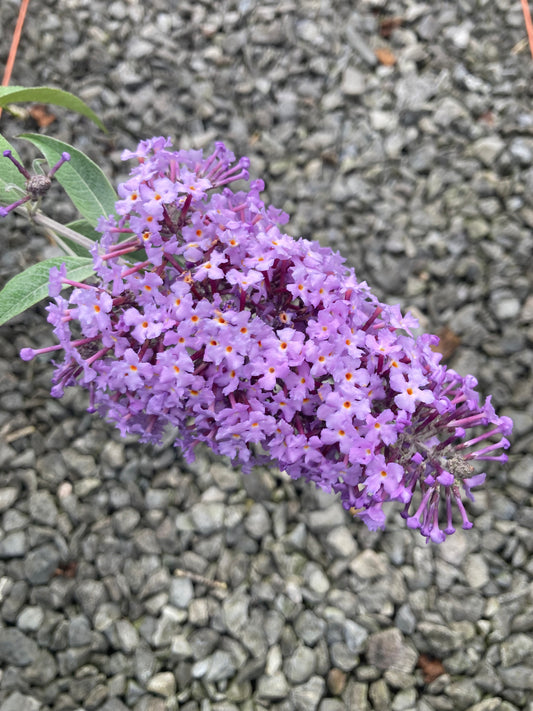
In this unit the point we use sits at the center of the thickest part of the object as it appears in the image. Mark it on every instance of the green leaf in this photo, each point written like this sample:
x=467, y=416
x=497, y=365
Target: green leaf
x=48, y=95
x=31, y=285
x=83, y=181
x=85, y=229
x=9, y=174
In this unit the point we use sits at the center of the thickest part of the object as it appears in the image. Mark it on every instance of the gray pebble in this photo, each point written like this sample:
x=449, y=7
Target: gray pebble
x=354, y=635
x=104, y=615
x=438, y=637
x=15, y=594
x=79, y=631
x=20, y=702
x=257, y=523
x=317, y=581
x=309, y=627
x=125, y=520
x=8, y=496
x=181, y=592
x=41, y=563
x=515, y=649
x=127, y=636
x=464, y=693
x=272, y=688
x=30, y=619
x=487, y=149
x=42, y=671
x=369, y=565
x=341, y=542
x=207, y=517
x=353, y=82
x=300, y=665
x=476, y=571
x=505, y=307
x=343, y=657
x=331, y=705
x=146, y=541
x=235, y=608
x=14, y=545
x=387, y=649
x=405, y=619
x=163, y=684
x=404, y=700
x=307, y=696
x=16, y=648
x=488, y=705
x=90, y=594
x=522, y=472
x=227, y=479
x=216, y=667
x=43, y=508
x=358, y=43
x=253, y=637
x=517, y=677
x=167, y=626
x=13, y=520
x=180, y=647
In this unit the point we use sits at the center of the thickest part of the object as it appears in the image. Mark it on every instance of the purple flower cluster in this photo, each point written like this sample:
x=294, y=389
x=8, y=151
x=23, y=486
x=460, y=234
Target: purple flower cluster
x=266, y=348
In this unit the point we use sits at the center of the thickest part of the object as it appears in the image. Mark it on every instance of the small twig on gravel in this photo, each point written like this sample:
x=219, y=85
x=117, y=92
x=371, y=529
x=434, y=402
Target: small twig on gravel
x=18, y=434
x=529, y=24
x=14, y=44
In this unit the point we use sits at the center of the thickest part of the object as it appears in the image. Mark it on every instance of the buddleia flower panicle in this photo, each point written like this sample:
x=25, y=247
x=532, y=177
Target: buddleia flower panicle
x=266, y=348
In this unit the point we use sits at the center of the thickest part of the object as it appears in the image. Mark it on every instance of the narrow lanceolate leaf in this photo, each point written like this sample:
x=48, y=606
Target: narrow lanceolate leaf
x=47, y=95
x=31, y=285
x=83, y=181
x=9, y=175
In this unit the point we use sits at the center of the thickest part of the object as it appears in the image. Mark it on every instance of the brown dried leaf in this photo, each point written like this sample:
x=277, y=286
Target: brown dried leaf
x=385, y=56
x=488, y=118
x=67, y=570
x=431, y=668
x=388, y=25
x=448, y=344
x=41, y=115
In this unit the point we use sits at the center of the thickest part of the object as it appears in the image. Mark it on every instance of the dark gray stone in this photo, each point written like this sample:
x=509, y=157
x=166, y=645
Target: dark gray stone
x=90, y=594
x=14, y=545
x=79, y=631
x=43, y=508
x=309, y=627
x=17, y=648
x=125, y=520
x=41, y=563
x=42, y=671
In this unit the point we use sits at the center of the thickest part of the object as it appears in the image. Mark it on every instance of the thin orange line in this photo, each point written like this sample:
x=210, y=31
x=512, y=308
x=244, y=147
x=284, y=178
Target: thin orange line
x=14, y=44
x=529, y=24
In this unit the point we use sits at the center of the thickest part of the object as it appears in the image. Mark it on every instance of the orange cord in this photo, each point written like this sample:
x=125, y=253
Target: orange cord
x=14, y=44
x=529, y=24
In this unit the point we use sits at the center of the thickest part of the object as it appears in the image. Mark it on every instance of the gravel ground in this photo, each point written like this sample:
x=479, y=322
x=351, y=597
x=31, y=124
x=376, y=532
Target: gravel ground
x=400, y=132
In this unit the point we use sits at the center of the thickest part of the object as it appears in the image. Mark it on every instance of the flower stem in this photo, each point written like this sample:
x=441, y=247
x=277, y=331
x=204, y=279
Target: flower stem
x=50, y=224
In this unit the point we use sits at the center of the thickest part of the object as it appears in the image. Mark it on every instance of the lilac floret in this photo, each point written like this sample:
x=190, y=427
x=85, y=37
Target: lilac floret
x=266, y=348
x=57, y=277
